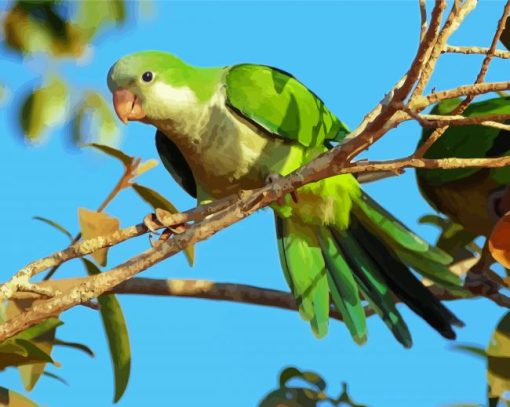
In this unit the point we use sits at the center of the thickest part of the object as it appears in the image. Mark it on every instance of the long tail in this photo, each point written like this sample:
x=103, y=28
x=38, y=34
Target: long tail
x=369, y=261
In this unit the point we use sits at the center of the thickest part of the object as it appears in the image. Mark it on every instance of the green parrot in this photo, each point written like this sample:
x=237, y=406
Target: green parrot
x=220, y=130
x=472, y=197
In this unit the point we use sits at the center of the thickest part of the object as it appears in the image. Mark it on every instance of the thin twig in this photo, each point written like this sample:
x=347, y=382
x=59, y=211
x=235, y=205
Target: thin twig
x=436, y=134
x=122, y=183
x=456, y=16
x=434, y=121
x=423, y=18
x=420, y=103
x=476, y=50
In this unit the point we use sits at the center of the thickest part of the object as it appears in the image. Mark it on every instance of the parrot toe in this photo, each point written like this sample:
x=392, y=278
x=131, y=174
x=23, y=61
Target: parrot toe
x=481, y=284
x=152, y=223
x=274, y=177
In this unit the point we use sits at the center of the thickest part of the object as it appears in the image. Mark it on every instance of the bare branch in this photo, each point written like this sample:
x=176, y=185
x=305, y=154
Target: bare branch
x=422, y=102
x=429, y=163
x=479, y=79
x=367, y=177
x=433, y=120
x=456, y=16
x=476, y=50
x=423, y=17
x=372, y=168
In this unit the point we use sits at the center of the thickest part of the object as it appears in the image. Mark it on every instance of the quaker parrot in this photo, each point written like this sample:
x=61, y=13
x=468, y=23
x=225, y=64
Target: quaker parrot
x=475, y=198
x=220, y=130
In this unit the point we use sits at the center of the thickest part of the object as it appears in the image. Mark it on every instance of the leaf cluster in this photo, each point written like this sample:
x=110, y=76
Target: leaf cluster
x=30, y=350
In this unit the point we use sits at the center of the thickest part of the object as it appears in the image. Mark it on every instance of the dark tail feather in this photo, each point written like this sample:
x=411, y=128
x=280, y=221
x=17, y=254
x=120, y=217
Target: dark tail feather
x=404, y=284
x=372, y=285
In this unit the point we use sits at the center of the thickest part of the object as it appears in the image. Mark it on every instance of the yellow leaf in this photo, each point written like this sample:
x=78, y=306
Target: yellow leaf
x=9, y=398
x=498, y=363
x=499, y=241
x=146, y=166
x=93, y=224
x=30, y=373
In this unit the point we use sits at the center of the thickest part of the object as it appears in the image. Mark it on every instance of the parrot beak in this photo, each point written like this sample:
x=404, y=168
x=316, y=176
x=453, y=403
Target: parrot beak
x=127, y=105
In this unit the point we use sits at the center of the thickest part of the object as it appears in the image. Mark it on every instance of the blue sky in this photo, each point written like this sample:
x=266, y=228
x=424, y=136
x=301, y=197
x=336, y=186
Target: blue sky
x=196, y=352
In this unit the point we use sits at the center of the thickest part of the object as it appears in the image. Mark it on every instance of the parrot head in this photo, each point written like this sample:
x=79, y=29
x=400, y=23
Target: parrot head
x=146, y=84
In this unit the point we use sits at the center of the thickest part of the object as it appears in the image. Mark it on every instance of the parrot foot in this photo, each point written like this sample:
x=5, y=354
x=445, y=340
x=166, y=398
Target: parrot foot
x=480, y=284
x=274, y=177
x=163, y=218
x=151, y=222
x=163, y=237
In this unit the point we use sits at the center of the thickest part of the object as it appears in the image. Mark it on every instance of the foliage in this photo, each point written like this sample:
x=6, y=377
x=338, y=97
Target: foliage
x=62, y=30
x=453, y=238
x=312, y=394
x=30, y=350
x=497, y=358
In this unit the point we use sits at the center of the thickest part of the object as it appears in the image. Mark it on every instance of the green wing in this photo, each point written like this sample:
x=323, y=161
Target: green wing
x=468, y=142
x=276, y=102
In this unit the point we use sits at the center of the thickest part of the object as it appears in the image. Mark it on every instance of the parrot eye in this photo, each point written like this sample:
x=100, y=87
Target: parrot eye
x=147, y=76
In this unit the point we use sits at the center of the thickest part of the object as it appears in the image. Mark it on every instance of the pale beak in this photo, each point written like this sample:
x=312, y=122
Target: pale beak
x=127, y=105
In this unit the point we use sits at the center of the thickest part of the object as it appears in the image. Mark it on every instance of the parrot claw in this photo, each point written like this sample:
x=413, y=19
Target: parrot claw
x=480, y=284
x=151, y=222
x=165, y=235
x=274, y=177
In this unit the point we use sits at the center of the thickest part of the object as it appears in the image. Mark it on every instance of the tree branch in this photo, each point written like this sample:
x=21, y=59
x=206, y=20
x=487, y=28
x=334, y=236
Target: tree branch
x=436, y=134
x=476, y=50
x=421, y=102
x=423, y=18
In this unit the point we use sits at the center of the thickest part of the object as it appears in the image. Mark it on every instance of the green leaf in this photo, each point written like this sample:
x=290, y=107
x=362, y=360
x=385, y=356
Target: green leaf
x=310, y=377
x=30, y=347
x=474, y=350
x=4, y=92
x=55, y=225
x=45, y=107
x=92, y=15
x=292, y=397
x=18, y=352
x=498, y=363
x=117, y=335
x=39, y=329
x=56, y=377
x=112, y=152
x=94, y=120
x=75, y=345
x=345, y=398
x=296, y=396
x=30, y=374
x=156, y=200
x=288, y=374
x=40, y=335
x=9, y=398
x=42, y=26
x=453, y=238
